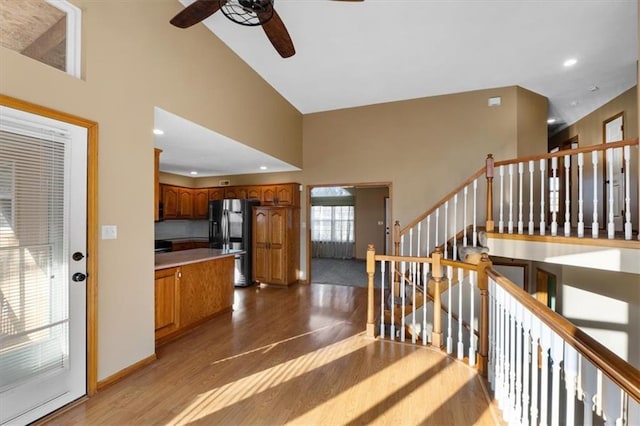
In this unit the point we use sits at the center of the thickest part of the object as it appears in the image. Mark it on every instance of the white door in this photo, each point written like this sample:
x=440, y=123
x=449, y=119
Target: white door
x=614, y=201
x=42, y=245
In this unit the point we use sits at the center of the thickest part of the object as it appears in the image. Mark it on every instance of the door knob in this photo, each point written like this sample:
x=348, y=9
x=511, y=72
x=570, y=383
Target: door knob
x=78, y=277
x=77, y=256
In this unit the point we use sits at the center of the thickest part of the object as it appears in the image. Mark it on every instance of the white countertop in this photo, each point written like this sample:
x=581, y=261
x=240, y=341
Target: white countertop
x=185, y=257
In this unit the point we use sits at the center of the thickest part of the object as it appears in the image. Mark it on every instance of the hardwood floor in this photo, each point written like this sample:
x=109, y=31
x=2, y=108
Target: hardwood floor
x=290, y=356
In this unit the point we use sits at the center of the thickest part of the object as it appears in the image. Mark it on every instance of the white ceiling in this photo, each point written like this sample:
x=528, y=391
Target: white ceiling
x=358, y=53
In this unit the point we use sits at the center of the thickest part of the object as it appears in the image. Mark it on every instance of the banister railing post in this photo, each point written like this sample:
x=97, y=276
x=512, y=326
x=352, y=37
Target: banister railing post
x=436, y=275
x=396, y=252
x=371, y=268
x=489, y=174
x=483, y=286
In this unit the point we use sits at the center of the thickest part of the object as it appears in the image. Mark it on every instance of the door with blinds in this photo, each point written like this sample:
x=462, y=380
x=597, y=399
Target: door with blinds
x=43, y=185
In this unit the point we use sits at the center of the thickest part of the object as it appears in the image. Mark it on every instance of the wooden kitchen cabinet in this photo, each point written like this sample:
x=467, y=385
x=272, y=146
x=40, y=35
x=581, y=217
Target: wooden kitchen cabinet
x=178, y=202
x=169, y=201
x=167, y=301
x=201, y=203
x=216, y=193
x=156, y=184
x=281, y=195
x=276, y=244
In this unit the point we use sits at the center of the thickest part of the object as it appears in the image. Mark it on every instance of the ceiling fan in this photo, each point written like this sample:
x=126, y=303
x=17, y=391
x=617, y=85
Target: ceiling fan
x=243, y=12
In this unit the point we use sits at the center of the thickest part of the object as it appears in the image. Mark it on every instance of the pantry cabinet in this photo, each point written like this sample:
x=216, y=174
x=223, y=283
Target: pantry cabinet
x=276, y=244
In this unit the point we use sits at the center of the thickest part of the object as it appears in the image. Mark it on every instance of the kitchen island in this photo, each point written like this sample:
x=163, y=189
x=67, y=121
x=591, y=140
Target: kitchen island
x=191, y=287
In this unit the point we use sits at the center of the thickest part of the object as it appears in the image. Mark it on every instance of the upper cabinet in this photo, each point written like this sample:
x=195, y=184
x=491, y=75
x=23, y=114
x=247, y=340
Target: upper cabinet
x=193, y=203
x=156, y=184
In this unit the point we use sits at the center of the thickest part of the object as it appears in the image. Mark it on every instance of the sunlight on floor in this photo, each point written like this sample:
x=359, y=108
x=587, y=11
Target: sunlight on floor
x=231, y=393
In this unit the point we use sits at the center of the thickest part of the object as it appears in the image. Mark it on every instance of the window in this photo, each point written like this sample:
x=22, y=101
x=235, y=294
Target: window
x=45, y=30
x=332, y=223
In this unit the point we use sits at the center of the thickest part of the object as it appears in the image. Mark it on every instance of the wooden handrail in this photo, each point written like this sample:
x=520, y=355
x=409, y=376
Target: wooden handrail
x=442, y=201
x=626, y=376
x=600, y=147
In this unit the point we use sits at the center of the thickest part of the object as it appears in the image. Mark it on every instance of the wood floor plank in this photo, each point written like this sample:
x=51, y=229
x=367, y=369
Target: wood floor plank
x=295, y=355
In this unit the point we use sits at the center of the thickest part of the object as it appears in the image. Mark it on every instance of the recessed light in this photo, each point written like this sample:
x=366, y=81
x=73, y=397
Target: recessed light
x=193, y=173
x=570, y=62
x=573, y=103
x=263, y=167
x=551, y=121
x=593, y=88
x=158, y=132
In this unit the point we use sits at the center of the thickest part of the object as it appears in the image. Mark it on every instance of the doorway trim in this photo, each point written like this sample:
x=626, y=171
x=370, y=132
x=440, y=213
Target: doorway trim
x=92, y=224
x=605, y=186
x=388, y=185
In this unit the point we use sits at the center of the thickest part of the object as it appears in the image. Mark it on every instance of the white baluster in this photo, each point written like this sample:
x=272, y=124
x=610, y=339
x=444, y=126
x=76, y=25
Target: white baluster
x=492, y=334
x=610, y=225
x=510, y=223
x=531, y=223
x=449, y=309
x=402, y=245
x=472, y=336
x=411, y=242
x=455, y=227
x=580, y=195
x=446, y=228
x=460, y=285
x=589, y=386
x=557, y=354
x=627, y=193
x=464, y=220
x=545, y=342
x=501, y=221
x=520, y=198
x=526, y=368
x=535, y=387
x=403, y=301
x=382, y=271
x=418, y=247
x=437, y=226
x=428, y=235
x=513, y=415
x=554, y=188
x=518, y=377
x=425, y=276
x=613, y=402
x=543, y=166
x=392, y=291
x=414, y=277
x=594, y=224
x=567, y=196
x=475, y=212
x=570, y=381
x=500, y=347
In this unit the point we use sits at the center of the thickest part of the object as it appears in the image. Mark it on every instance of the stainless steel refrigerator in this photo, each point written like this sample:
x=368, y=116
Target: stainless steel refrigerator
x=230, y=229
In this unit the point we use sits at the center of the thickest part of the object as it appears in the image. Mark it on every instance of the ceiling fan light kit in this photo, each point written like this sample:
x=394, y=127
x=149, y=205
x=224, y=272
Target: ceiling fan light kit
x=248, y=12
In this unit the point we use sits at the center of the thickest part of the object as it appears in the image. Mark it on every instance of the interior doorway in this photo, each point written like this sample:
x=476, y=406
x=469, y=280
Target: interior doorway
x=546, y=288
x=342, y=220
x=613, y=131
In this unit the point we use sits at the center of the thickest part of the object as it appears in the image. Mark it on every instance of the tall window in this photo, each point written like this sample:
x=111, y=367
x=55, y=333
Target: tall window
x=332, y=223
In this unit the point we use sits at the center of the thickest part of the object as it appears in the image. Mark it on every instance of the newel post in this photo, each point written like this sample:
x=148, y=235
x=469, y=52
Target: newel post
x=436, y=275
x=371, y=267
x=489, y=175
x=483, y=285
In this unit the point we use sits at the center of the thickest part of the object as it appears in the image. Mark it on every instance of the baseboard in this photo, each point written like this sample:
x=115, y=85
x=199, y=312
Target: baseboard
x=125, y=372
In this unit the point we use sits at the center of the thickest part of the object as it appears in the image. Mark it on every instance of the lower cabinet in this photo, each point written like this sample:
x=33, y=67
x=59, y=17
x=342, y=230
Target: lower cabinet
x=191, y=294
x=276, y=242
x=167, y=297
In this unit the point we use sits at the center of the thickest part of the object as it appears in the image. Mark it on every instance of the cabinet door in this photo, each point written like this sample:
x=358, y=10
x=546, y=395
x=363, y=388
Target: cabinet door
x=182, y=245
x=253, y=193
x=167, y=304
x=216, y=193
x=285, y=195
x=157, y=195
x=200, y=203
x=268, y=195
x=277, y=246
x=260, y=244
x=235, y=192
x=185, y=203
x=170, y=201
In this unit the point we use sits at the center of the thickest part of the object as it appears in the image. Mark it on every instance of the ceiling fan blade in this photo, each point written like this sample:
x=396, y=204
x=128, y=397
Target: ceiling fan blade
x=278, y=35
x=196, y=12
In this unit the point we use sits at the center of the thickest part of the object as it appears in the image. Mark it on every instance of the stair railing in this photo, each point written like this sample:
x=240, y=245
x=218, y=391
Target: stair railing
x=533, y=357
x=558, y=194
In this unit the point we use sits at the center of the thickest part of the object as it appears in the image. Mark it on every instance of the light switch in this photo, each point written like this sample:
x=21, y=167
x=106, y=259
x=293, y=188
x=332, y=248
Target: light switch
x=109, y=232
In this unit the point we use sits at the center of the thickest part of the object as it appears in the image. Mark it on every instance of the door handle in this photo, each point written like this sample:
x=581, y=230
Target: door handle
x=78, y=277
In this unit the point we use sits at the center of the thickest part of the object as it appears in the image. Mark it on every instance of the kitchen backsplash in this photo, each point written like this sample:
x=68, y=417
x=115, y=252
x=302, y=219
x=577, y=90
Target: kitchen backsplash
x=169, y=229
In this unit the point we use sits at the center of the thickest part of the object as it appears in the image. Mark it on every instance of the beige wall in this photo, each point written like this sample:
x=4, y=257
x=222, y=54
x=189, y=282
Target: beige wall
x=135, y=60
x=589, y=128
x=369, y=210
x=531, y=113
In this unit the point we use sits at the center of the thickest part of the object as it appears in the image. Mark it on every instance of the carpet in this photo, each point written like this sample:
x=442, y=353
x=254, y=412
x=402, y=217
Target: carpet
x=351, y=272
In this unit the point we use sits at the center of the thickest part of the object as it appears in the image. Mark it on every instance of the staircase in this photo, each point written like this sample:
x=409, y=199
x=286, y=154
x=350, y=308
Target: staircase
x=532, y=357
